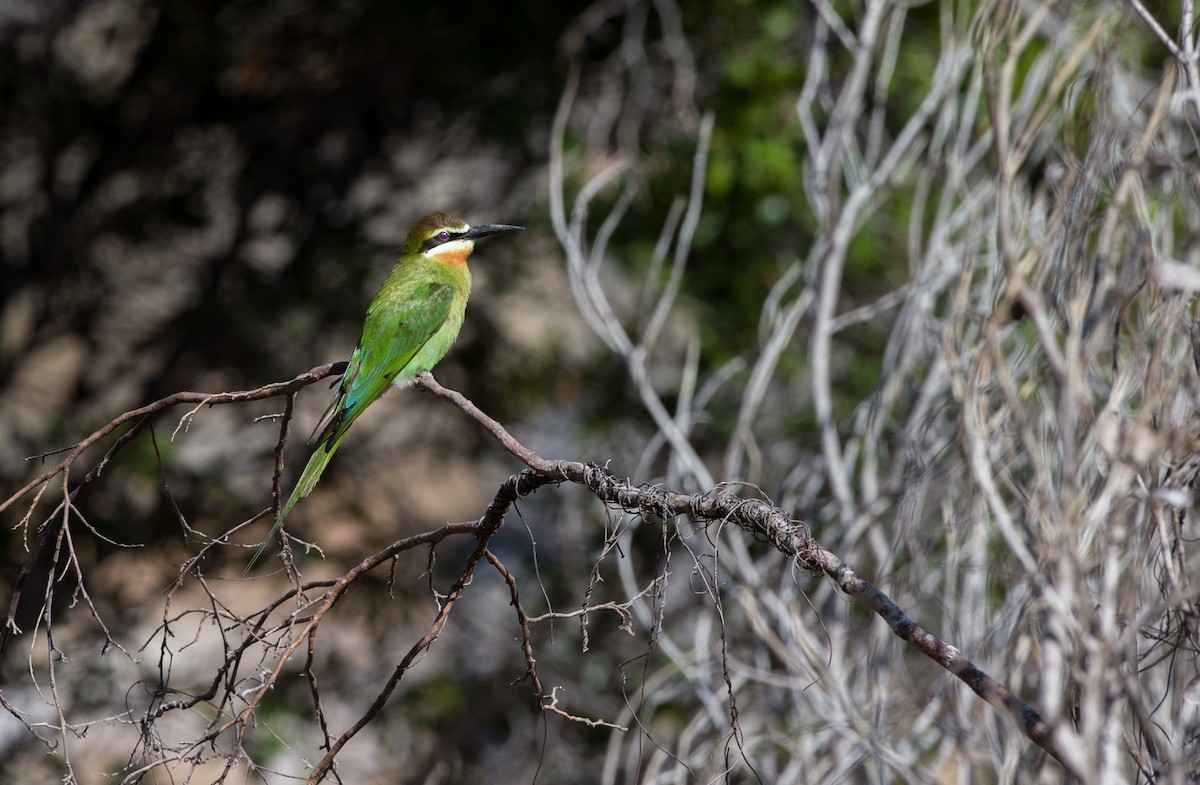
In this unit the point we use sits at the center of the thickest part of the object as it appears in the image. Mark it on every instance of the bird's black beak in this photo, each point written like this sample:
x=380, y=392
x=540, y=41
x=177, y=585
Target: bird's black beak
x=475, y=232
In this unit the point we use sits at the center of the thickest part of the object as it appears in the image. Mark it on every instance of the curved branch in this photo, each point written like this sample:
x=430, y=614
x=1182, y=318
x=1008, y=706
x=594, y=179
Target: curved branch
x=766, y=523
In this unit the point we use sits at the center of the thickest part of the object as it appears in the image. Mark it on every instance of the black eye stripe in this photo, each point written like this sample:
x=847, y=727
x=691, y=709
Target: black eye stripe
x=441, y=238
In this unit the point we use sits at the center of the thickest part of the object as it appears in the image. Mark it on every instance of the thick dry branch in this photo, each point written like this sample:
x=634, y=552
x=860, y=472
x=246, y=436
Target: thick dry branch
x=765, y=523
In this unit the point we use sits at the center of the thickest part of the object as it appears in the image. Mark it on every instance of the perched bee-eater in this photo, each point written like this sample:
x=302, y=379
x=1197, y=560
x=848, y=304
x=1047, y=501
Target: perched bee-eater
x=410, y=326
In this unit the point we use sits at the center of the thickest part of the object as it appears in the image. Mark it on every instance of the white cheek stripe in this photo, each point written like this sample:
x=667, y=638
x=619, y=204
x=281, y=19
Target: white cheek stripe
x=454, y=248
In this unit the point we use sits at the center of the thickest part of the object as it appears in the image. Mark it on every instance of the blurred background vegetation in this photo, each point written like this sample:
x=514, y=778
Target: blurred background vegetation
x=205, y=196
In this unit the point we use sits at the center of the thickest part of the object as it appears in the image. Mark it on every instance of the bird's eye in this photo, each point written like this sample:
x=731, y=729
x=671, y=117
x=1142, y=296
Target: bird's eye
x=443, y=236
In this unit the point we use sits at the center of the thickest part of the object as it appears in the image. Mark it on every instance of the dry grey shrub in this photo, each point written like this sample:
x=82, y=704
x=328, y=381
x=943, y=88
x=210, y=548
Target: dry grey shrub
x=1023, y=471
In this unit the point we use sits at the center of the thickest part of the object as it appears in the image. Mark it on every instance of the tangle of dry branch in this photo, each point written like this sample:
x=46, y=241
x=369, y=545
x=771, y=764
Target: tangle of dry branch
x=239, y=698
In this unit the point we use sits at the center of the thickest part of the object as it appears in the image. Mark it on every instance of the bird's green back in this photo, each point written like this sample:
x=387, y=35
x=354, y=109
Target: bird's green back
x=410, y=326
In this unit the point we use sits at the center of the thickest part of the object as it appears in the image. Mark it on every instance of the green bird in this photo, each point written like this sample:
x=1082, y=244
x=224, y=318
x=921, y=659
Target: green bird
x=410, y=326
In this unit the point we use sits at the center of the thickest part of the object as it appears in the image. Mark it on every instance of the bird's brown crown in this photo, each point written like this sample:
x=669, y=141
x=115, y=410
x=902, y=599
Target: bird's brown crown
x=427, y=230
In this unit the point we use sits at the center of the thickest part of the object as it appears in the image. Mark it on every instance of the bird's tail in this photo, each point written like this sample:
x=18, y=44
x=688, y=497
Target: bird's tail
x=308, y=481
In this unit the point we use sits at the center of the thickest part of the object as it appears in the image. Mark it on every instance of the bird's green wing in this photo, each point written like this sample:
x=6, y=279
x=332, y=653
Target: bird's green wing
x=392, y=334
